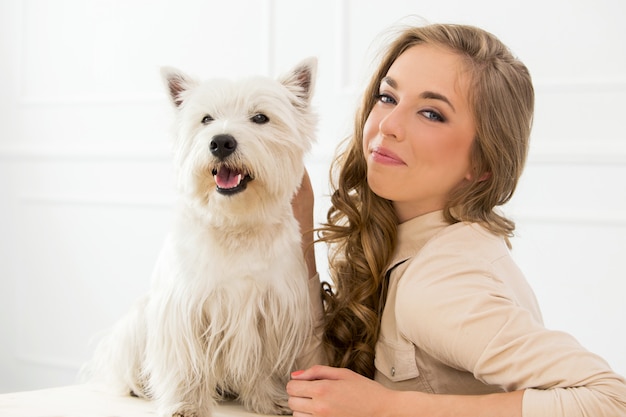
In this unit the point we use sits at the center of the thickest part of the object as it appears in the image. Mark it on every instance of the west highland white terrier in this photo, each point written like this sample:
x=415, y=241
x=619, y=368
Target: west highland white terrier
x=228, y=310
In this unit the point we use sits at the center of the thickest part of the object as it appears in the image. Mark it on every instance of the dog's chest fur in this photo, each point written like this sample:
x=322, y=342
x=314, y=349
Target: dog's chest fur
x=215, y=256
x=247, y=287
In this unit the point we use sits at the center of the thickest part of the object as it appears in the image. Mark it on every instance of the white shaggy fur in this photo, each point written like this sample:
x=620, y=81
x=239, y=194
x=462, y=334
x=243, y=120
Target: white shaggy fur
x=227, y=312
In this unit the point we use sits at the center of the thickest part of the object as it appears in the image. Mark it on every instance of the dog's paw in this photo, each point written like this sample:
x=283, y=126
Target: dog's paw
x=139, y=394
x=188, y=411
x=281, y=408
x=185, y=414
x=283, y=411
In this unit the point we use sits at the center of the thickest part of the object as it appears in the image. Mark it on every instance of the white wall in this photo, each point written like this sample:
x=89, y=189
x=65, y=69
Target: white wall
x=85, y=184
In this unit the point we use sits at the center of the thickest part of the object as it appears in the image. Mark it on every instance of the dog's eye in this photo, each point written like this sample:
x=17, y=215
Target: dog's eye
x=207, y=119
x=260, y=119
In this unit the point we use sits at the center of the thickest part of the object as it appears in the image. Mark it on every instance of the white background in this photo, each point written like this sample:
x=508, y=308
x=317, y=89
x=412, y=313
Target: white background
x=85, y=179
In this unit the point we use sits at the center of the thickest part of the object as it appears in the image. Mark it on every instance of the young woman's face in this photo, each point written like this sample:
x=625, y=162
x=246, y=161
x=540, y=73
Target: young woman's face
x=418, y=136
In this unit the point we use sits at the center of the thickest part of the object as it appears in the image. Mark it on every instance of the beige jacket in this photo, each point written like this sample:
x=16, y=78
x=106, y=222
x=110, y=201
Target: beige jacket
x=460, y=318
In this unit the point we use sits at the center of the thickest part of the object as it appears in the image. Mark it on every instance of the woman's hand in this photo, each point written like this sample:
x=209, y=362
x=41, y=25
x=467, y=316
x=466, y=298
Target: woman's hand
x=336, y=392
x=322, y=391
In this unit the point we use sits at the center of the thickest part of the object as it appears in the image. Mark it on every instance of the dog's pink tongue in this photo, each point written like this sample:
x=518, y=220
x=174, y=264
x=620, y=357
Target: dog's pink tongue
x=227, y=178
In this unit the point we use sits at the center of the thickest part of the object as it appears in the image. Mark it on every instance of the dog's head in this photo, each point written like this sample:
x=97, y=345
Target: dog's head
x=240, y=144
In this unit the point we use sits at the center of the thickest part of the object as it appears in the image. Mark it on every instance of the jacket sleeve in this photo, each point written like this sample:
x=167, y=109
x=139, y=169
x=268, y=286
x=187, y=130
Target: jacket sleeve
x=458, y=310
x=313, y=353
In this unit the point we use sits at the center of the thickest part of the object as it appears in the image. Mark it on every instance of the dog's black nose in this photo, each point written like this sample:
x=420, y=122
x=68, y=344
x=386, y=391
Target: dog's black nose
x=222, y=145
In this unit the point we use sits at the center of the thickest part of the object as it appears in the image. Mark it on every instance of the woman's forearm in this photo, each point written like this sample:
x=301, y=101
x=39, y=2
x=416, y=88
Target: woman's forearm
x=302, y=205
x=411, y=403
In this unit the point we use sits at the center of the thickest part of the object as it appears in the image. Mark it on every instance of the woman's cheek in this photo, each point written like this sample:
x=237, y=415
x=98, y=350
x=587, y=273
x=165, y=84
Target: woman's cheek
x=369, y=131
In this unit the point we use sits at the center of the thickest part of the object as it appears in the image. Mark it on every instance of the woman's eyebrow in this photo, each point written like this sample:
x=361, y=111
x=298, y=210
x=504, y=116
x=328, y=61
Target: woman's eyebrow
x=436, y=96
x=425, y=95
x=390, y=82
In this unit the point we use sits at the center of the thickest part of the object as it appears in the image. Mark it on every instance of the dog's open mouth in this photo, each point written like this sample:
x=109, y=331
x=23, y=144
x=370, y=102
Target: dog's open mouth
x=229, y=180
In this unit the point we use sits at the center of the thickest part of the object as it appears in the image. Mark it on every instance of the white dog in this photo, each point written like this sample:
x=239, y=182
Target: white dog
x=227, y=313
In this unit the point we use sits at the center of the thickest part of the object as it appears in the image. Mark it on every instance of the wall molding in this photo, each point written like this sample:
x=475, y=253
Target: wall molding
x=606, y=152
x=82, y=152
x=342, y=29
x=599, y=218
x=268, y=13
x=581, y=84
x=98, y=200
x=93, y=99
x=267, y=43
x=48, y=361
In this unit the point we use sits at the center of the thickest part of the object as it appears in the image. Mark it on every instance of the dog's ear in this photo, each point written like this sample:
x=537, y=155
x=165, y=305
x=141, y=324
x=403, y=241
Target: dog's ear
x=301, y=79
x=177, y=83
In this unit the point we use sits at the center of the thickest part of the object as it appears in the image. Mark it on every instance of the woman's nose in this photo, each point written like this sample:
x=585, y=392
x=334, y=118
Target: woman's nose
x=392, y=125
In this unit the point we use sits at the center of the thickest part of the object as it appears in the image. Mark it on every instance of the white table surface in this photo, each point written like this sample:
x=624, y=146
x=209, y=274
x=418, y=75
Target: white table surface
x=89, y=401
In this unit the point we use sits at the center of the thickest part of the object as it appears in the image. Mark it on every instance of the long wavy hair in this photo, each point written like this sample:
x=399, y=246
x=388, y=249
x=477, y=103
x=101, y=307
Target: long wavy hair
x=361, y=227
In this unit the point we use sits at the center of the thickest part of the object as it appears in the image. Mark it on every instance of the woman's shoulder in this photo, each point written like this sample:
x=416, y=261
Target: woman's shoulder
x=467, y=239
x=458, y=250
x=465, y=258
x=464, y=265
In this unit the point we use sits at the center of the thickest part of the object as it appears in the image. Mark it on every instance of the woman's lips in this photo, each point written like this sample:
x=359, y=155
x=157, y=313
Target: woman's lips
x=385, y=156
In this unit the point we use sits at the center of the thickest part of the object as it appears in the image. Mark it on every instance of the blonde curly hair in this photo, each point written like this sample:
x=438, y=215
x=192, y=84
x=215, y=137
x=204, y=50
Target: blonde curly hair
x=361, y=227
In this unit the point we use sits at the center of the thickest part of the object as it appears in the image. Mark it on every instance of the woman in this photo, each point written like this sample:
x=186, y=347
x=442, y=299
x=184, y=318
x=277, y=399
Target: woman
x=429, y=315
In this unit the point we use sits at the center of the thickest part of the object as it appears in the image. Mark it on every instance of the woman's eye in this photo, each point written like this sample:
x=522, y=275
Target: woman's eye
x=207, y=119
x=385, y=98
x=260, y=119
x=433, y=115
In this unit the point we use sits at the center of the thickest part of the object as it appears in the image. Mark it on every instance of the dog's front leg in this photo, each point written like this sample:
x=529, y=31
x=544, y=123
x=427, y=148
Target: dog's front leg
x=266, y=395
x=174, y=360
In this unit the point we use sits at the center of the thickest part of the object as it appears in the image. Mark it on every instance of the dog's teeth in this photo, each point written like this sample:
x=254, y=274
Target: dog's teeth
x=228, y=179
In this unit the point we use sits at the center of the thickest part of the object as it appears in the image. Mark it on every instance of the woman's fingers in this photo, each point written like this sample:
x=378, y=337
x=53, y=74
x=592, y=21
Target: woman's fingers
x=300, y=406
x=299, y=388
x=321, y=372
